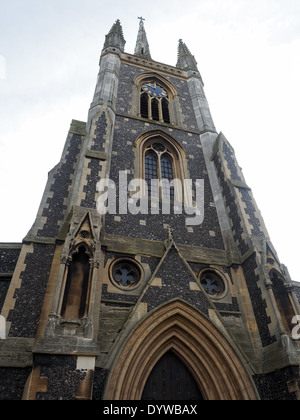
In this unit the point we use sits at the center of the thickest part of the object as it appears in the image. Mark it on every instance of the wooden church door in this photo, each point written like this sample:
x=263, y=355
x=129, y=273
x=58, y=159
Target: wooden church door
x=171, y=380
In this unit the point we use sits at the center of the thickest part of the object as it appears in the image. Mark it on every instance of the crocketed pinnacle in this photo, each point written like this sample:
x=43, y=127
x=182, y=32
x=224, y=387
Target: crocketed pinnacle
x=186, y=60
x=115, y=37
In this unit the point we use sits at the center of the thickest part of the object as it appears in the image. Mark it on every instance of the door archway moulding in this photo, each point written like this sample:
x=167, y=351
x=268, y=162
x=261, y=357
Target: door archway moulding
x=176, y=326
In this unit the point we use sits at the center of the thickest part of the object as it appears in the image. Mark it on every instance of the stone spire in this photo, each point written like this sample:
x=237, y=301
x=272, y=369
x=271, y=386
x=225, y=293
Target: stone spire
x=186, y=61
x=115, y=37
x=142, y=47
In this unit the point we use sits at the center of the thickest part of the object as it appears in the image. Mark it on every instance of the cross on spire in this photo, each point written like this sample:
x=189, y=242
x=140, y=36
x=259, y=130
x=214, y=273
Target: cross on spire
x=142, y=47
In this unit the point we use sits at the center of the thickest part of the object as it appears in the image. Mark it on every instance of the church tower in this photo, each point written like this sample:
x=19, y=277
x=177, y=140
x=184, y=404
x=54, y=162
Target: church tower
x=148, y=273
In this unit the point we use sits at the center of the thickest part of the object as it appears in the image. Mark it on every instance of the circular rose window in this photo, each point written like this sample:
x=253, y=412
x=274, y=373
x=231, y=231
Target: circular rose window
x=212, y=283
x=125, y=273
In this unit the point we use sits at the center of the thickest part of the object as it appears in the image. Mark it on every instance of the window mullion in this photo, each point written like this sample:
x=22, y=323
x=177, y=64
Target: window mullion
x=160, y=112
x=150, y=107
x=159, y=173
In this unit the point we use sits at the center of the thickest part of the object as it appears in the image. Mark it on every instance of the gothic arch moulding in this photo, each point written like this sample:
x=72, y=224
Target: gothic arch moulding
x=217, y=369
x=175, y=117
x=147, y=77
x=179, y=155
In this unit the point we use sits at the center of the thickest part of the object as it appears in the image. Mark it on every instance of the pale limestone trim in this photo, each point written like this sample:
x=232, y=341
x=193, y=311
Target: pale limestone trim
x=16, y=283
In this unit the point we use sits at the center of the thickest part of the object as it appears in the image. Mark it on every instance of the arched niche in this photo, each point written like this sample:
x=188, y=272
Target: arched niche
x=283, y=300
x=75, y=301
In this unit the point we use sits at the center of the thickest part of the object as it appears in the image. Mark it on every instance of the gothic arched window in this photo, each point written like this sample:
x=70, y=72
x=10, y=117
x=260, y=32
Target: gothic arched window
x=160, y=169
x=154, y=102
x=162, y=163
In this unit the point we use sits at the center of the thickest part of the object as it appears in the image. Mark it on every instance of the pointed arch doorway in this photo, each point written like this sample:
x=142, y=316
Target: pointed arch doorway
x=176, y=327
x=171, y=380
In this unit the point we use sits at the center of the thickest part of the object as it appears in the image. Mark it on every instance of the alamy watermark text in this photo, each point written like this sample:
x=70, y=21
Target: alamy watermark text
x=165, y=197
x=296, y=329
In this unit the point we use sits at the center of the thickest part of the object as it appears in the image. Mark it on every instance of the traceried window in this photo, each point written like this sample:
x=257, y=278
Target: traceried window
x=212, y=284
x=154, y=102
x=161, y=163
x=125, y=273
x=159, y=170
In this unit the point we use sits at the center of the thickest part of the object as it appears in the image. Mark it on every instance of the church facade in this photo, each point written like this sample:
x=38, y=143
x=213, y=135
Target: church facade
x=148, y=273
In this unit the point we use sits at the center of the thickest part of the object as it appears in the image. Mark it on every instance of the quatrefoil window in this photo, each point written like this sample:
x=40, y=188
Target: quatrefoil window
x=212, y=283
x=125, y=273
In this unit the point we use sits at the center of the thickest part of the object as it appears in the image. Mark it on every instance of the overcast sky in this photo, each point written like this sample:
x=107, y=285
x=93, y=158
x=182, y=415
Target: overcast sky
x=248, y=53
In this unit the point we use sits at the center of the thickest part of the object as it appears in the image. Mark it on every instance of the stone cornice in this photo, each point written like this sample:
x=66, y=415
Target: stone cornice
x=154, y=65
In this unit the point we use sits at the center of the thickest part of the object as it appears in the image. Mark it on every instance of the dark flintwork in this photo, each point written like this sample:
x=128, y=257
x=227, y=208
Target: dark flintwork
x=274, y=386
x=55, y=211
x=100, y=131
x=259, y=304
x=125, y=137
x=90, y=190
x=8, y=258
x=29, y=298
x=12, y=383
x=63, y=377
x=176, y=279
x=232, y=209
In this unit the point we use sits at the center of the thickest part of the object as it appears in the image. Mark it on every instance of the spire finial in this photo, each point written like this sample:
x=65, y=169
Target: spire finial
x=170, y=241
x=170, y=232
x=142, y=47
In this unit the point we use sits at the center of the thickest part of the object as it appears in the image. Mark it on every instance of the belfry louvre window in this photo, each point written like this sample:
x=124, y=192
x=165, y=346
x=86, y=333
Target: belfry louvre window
x=154, y=102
